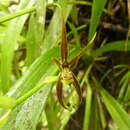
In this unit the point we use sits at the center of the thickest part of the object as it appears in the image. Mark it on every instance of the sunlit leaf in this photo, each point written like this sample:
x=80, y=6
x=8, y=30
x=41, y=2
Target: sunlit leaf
x=7, y=102
x=4, y=118
x=9, y=43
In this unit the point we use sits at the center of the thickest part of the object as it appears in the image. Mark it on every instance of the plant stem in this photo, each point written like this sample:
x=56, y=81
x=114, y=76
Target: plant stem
x=34, y=90
x=20, y=13
x=88, y=4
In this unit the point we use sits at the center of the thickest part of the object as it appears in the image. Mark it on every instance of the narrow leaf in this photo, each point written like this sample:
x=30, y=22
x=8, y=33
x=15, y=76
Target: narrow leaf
x=112, y=46
x=8, y=45
x=97, y=9
x=87, y=108
x=4, y=118
x=7, y=102
x=116, y=111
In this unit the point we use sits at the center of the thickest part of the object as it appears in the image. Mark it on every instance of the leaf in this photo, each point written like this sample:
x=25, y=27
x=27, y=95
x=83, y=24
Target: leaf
x=75, y=33
x=8, y=45
x=124, y=83
x=53, y=122
x=74, y=15
x=87, y=108
x=4, y=118
x=112, y=46
x=35, y=38
x=116, y=111
x=36, y=72
x=31, y=110
x=127, y=94
x=3, y=8
x=97, y=9
x=7, y=102
x=5, y=2
x=95, y=118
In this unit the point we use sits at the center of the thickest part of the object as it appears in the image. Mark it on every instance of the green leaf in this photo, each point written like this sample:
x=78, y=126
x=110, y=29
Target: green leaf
x=32, y=77
x=127, y=94
x=97, y=9
x=95, y=123
x=54, y=120
x=87, y=108
x=124, y=83
x=5, y=2
x=116, y=111
x=17, y=14
x=35, y=38
x=4, y=118
x=3, y=8
x=8, y=45
x=7, y=102
x=75, y=33
x=32, y=109
x=112, y=46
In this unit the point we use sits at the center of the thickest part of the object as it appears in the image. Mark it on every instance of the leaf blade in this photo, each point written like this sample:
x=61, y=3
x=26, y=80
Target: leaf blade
x=116, y=111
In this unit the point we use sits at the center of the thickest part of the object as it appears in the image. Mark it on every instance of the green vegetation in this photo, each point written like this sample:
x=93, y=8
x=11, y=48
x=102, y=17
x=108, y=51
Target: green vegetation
x=31, y=36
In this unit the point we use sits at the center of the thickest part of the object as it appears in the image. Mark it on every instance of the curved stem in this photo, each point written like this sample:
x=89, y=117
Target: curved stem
x=35, y=89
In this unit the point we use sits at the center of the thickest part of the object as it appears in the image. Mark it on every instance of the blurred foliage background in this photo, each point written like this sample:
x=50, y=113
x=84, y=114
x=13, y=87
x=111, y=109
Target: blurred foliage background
x=30, y=35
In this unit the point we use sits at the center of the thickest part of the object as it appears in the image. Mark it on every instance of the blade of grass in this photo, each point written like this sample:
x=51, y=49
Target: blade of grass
x=95, y=123
x=53, y=122
x=87, y=108
x=4, y=118
x=7, y=102
x=8, y=44
x=112, y=46
x=116, y=111
x=75, y=33
x=101, y=113
x=17, y=14
x=97, y=9
x=30, y=112
x=36, y=32
x=87, y=3
x=127, y=94
x=124, y=85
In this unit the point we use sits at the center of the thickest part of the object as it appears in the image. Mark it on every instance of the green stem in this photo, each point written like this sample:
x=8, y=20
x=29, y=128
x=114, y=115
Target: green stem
x=20, y=13
x=81, y=2
x=88, y=106
x=23, y=12
x=34, y=90
x=77, y=29
x=54, y=4
x=88, y=4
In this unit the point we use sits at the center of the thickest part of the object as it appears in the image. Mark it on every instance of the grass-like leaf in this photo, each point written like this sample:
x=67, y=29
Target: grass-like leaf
x=8, y=45
x=36, y=31
x=116, y=111
x=4, y=118
x=112, y=46
x=97, y=9
x=7, y=102
x=87, y=108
